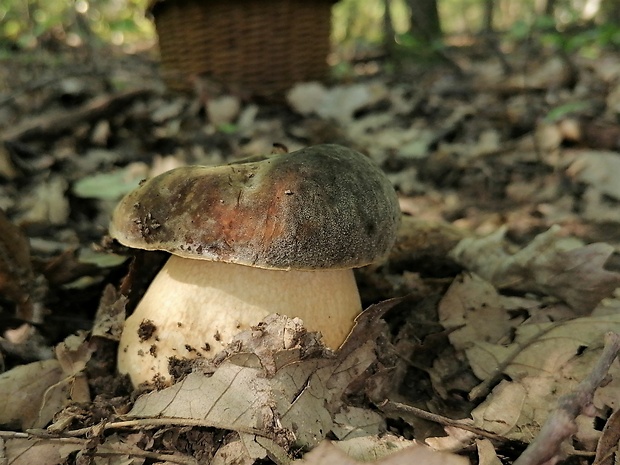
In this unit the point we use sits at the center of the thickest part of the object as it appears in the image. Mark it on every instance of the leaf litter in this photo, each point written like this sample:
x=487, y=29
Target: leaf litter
x=507, y=261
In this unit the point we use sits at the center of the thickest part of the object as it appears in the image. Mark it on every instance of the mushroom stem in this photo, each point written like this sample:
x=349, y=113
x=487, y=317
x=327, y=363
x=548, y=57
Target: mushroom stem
x=194, y=308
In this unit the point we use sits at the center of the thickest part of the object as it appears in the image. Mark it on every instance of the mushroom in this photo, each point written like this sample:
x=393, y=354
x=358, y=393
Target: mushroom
x=280, y=234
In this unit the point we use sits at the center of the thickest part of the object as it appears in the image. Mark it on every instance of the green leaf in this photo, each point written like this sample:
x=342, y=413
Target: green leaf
x=100, y=259
x=108, y=186
x=560, y=112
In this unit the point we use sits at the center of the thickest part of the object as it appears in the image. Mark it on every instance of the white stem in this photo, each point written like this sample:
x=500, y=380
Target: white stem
x=197, y=306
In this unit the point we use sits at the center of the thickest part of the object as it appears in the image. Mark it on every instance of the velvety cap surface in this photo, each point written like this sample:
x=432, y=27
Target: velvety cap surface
x=324, y=206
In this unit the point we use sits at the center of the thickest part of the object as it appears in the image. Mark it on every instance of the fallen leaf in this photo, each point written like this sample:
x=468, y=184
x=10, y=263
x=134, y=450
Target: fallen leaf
x=544, y=362
x=74, y=352
x=474, y=311
x=486, y=453
x=46, y=203
x=110, y=316
x=607, y=448
x=18, y=281
x=550, y=264
x=251, y=393
x=28, y=451
x=598, y=169
x=371, y=448
x=223, y=110
x=306, y=97
x=338, y=103
x=22, y=391
x=233, y=453
x=327, y=453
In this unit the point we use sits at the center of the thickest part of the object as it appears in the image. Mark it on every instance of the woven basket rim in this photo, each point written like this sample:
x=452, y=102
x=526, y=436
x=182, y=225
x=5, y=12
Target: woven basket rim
x=153, y=3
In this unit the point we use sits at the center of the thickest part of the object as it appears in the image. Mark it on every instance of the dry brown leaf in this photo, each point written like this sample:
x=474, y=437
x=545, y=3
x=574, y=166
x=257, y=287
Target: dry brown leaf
x=338, y=103
x=554, y=72
x=546, y=349
x=18, y=282
x=22, y=391
x=233, y=453
x=475, y=311
x=598, y=207
x=223, y=109
x=550, y=264
x=238, y=397
x=371, y=448
x=544, y=362
x=47, y=203
x=281, y=395
x=306, y=97
x=486, y=453
x=598, y=169
x=110, y=315
x=30, y=395
x=327, y=453
x=74, y=353
x=28, y=451
x=607, y=448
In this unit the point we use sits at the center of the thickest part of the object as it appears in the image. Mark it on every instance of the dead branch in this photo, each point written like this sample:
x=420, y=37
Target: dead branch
x=389, y=406
x=57, y=122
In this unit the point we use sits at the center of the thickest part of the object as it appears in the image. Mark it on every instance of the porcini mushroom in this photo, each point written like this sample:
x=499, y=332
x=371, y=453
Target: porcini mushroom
x=277, y=235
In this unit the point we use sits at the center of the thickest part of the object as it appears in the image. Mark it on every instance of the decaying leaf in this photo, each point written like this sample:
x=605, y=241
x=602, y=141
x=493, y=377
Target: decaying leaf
x=30, y=395
x=74, y=352
x=290, y=405
x=599, y=169
x=18, y=281
x=370, y=448
x=22, y=390
x=28, y=451
x=233, y=452
x=475, y=311
x=223, y=110
x=46, y=203
x=338, y=103
x=544, y=362
x=328, y=454
x=289, y=396
x=110, y=315
x=486, y=453
x=56, y=451
x=550, y=264
x=607, y=448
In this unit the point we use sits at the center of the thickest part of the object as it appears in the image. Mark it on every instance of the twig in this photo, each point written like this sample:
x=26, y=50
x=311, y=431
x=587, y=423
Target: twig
x=13, y=435
x=482, y=389
x=103, y=451
x=57, y=122
x=560, y=424
x=149, y=423
x=389, y=406
x=33, y=86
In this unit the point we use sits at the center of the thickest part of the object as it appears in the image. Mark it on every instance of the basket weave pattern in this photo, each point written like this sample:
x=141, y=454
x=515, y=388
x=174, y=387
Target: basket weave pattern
x=260, y=46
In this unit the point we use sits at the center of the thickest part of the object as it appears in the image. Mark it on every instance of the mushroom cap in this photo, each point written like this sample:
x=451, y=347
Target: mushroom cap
x=324, y=206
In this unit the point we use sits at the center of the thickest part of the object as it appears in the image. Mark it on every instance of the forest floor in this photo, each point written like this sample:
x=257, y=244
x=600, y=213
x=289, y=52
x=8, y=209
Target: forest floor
x=491, y=328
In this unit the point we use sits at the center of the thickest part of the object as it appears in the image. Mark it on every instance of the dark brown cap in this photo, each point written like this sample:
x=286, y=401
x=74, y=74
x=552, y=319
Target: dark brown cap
x=324, y=206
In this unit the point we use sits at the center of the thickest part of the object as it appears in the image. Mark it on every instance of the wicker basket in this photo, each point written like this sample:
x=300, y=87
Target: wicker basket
x=261, y=47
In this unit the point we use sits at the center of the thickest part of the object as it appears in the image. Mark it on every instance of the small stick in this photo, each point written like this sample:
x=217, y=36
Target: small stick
x=389, y=406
